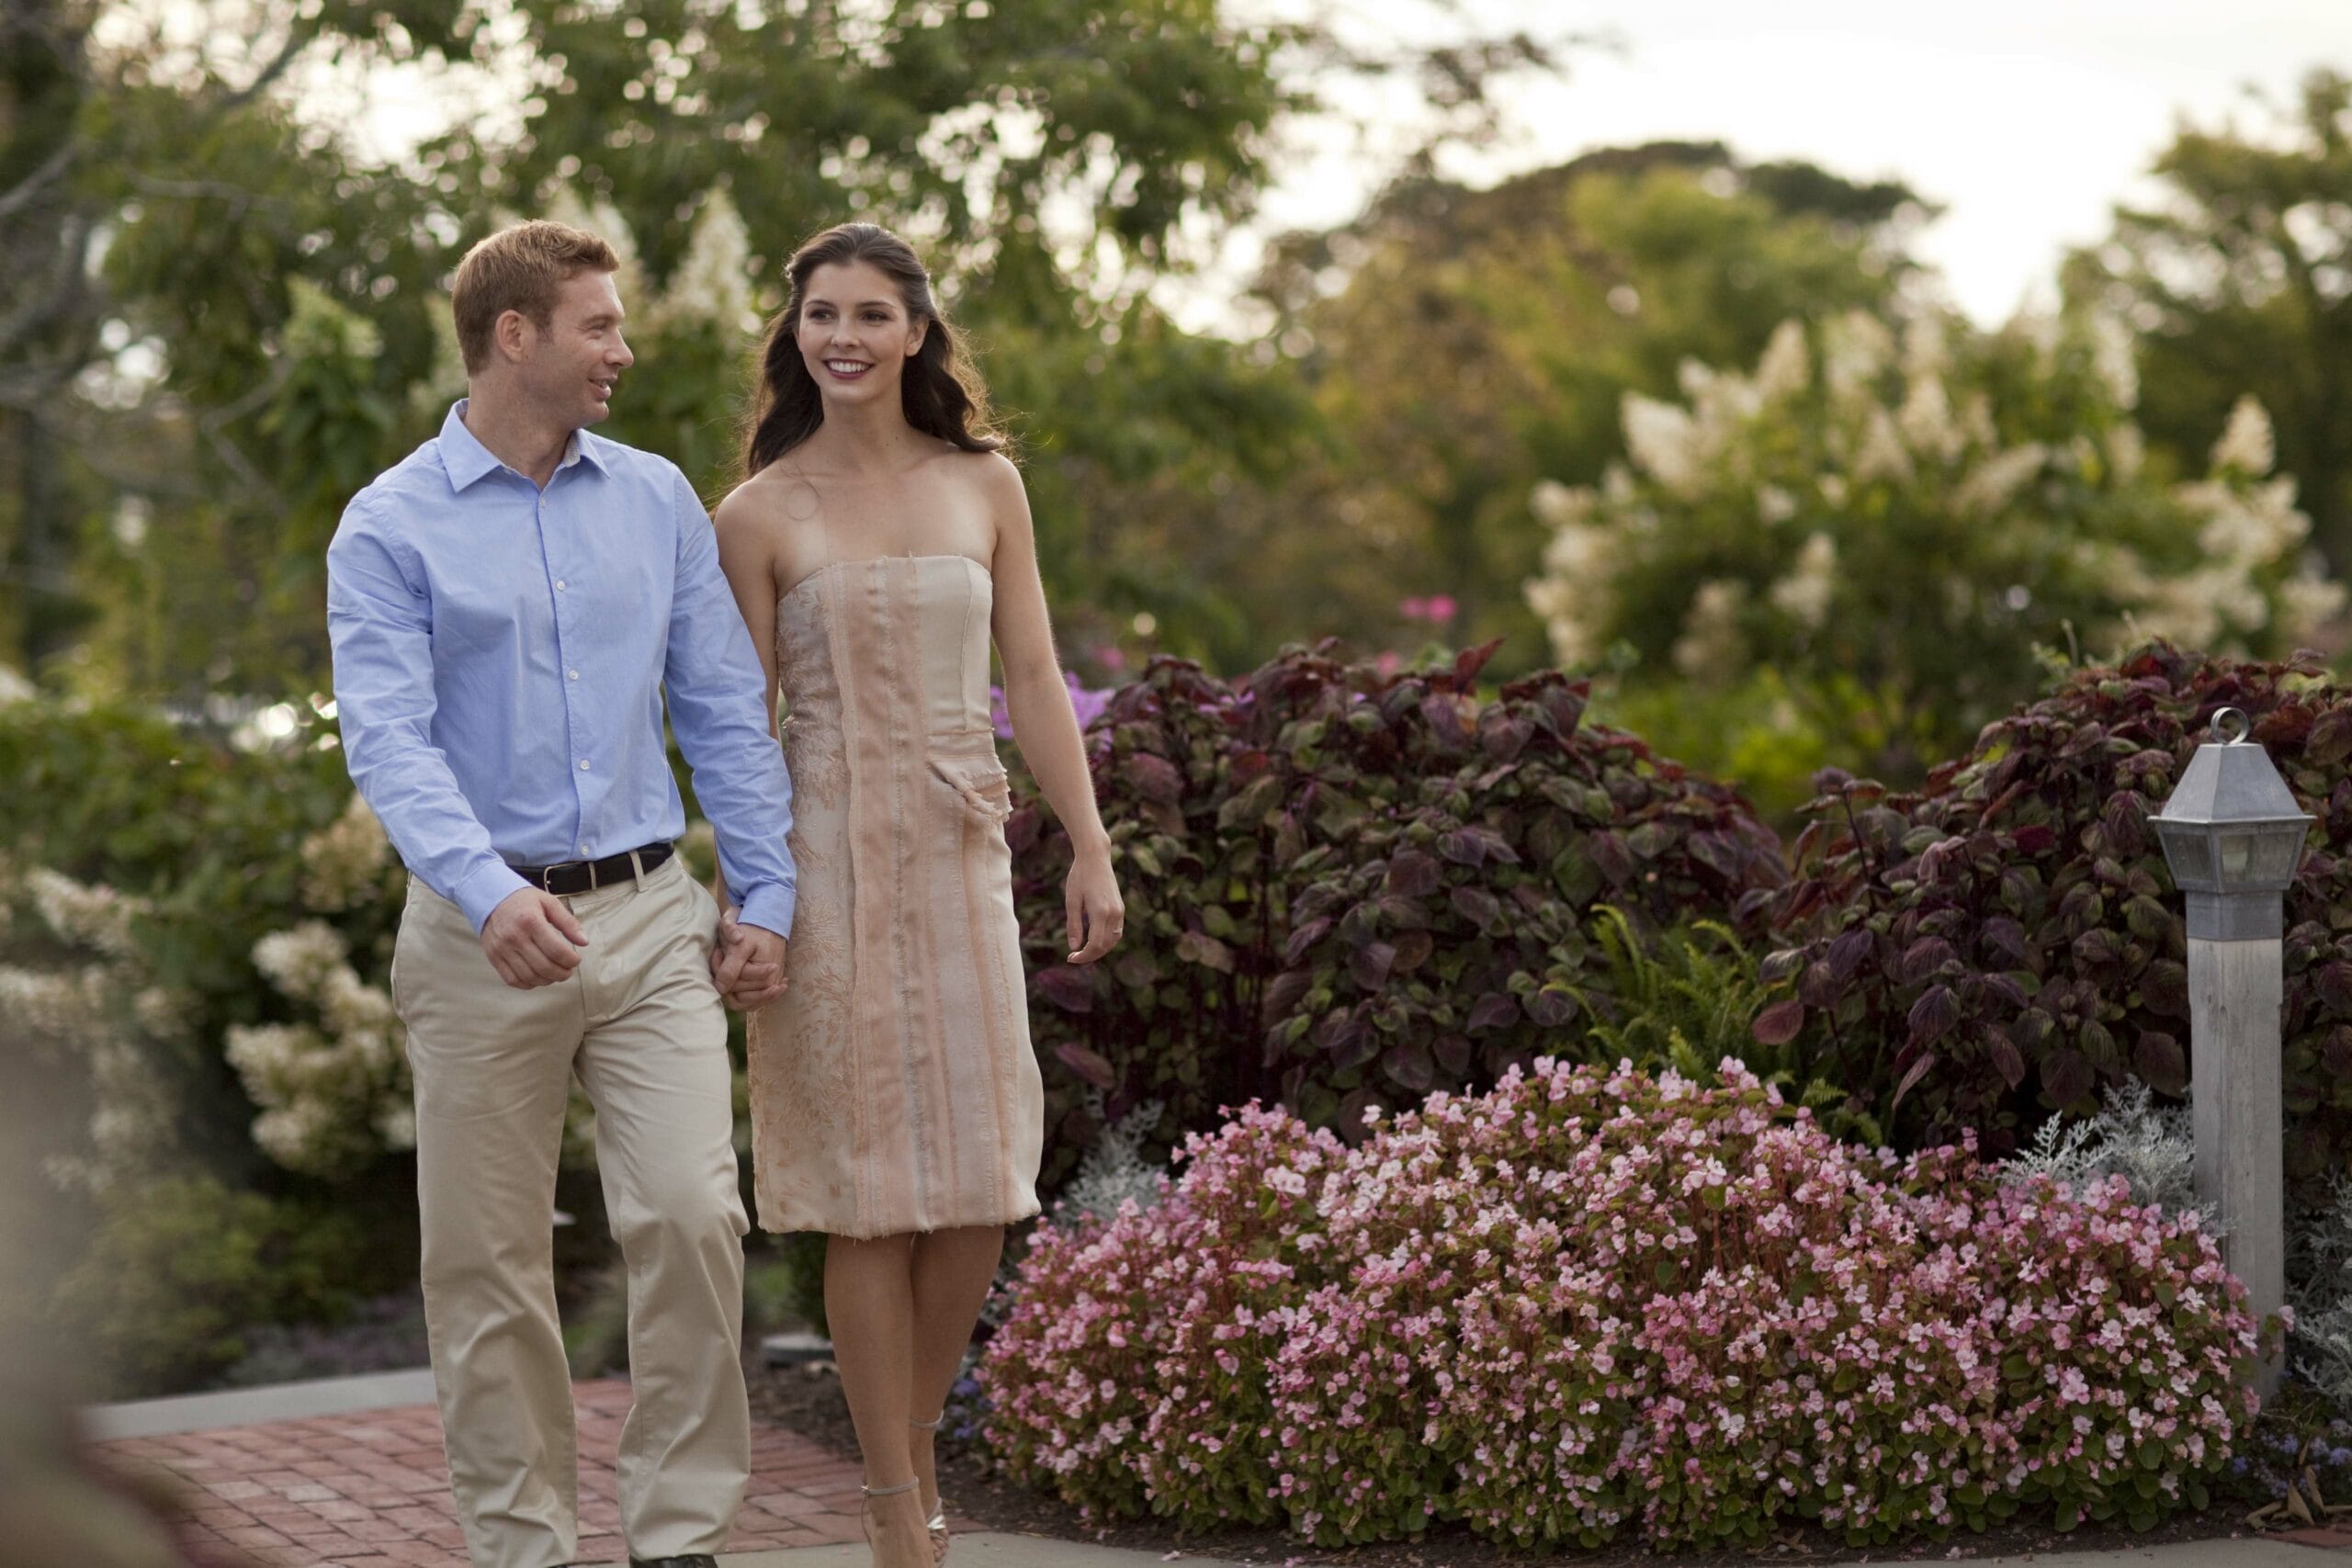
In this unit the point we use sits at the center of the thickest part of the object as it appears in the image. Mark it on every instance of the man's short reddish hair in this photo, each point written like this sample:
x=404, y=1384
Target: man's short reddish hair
x=522, y=267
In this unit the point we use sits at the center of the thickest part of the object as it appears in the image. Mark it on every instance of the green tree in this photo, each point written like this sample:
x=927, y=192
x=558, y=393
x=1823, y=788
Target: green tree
x=2239, y=280
x=1465, y=345
x=259, y=331
x=165, y=224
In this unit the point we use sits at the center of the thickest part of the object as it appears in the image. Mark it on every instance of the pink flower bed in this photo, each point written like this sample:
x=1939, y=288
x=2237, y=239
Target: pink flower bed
x=1589, y=1304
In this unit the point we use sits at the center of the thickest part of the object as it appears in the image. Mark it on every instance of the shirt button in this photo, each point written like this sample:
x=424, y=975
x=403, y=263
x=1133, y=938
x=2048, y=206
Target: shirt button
x=584, y=764
x=571, y=675
x=559, y=585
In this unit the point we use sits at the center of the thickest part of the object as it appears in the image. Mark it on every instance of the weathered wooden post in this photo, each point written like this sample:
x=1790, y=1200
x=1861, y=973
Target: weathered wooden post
x=2233, y=836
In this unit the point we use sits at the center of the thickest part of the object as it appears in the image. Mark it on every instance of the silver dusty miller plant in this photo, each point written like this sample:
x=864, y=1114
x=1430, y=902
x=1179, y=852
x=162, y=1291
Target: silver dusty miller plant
x=2319, y=1288
x=1109, y=1174
x=2149, y=1144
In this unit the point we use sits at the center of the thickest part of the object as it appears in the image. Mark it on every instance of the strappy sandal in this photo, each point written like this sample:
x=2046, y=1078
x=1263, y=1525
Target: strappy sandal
x=937, y=1523
x=866, y=1513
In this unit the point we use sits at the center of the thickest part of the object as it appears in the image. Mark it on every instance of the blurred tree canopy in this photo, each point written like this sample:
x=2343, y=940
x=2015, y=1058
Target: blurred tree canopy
x=1463, y=345
x=217, y=320
x=2239, y=280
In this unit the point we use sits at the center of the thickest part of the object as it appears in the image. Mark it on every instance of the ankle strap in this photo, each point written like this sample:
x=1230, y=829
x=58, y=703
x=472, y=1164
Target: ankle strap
x=930, y=1425
x=889, y=1491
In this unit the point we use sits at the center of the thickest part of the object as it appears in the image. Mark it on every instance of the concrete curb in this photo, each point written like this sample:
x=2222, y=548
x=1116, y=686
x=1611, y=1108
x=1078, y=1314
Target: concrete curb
x=991, y=1549
x=251, y=1406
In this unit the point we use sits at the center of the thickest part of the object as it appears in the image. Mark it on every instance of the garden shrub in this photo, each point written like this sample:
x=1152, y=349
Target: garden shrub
x=181, y=1267
x=2006, y=942
x=1591, y=1303
x=1686, y=999
x=1347, y=888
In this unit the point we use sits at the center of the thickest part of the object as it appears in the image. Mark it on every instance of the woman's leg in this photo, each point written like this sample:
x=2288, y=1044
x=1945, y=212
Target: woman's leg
x=952, y=1271
x=869, y=1306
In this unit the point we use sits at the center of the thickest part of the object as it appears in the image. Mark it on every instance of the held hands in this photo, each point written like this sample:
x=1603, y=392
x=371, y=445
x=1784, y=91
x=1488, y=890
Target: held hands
x=747, y=964
x=532, y=940
x=1097, y=914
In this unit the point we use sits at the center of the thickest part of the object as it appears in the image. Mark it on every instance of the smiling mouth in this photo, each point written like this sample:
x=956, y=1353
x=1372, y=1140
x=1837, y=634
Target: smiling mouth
x=848, y=367
x=603, y=388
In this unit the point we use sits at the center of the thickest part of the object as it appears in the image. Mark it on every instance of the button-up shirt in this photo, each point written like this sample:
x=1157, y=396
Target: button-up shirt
x=501, y=653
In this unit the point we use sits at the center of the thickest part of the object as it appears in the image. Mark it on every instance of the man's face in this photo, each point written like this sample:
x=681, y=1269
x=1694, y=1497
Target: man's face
x=568, y=370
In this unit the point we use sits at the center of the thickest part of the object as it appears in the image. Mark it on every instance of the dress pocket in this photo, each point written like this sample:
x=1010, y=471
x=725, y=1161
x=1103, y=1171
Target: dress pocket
x=980, y=783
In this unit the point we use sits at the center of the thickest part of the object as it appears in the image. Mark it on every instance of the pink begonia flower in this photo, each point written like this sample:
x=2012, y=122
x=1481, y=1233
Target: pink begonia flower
x=1534, y=1309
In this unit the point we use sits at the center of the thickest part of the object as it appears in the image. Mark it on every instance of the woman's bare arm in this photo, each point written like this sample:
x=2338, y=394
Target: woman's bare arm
x=1037, y=701
x=747, y=555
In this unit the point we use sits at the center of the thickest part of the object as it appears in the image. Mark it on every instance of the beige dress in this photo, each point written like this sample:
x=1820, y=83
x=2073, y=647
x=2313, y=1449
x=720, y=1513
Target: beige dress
x=893, y=1089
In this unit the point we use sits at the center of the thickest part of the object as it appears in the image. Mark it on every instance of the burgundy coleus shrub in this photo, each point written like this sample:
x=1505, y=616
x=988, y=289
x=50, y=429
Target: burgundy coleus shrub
x=1441, y=934
x=1348, y=887
x=2007, y=940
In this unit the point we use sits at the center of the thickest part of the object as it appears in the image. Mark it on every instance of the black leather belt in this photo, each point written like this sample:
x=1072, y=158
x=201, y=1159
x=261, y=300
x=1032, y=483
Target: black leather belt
x=587, y=875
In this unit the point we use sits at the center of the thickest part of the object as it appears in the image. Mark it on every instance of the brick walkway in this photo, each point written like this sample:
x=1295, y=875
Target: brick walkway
x=371, y=1490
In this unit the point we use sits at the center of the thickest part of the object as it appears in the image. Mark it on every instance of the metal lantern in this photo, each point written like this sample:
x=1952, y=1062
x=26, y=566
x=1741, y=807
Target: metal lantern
x=2234, y=836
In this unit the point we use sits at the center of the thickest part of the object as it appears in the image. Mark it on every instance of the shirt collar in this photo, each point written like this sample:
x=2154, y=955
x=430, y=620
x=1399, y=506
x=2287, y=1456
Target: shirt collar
x=466, y=459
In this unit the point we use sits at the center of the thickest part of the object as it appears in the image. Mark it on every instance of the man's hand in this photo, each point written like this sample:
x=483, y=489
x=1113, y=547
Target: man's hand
x=747, y=964
x=532, y=940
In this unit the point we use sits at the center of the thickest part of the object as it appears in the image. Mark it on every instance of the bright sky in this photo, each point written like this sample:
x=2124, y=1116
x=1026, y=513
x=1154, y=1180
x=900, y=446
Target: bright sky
x=2028, y=120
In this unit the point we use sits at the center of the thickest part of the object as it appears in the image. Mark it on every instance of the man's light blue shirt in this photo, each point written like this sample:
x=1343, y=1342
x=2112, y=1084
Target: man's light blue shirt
x=500, y=654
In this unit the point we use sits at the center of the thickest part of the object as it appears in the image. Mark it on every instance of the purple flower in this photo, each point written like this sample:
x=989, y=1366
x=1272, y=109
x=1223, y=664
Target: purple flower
x=1086, y=702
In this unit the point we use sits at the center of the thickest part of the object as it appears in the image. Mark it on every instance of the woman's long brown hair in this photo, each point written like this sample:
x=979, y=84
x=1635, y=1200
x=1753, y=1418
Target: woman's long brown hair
x=941, y=392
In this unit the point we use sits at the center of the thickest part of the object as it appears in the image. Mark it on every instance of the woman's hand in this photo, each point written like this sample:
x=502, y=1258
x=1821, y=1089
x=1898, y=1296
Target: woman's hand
x=1097, y=914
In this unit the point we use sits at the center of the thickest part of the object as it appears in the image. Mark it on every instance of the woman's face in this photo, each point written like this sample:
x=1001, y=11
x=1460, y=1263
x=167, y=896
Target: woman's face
x=856, y=333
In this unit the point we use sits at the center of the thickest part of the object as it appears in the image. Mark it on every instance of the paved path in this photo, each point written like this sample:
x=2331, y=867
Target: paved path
x=348, y=1473
x=369, y=1489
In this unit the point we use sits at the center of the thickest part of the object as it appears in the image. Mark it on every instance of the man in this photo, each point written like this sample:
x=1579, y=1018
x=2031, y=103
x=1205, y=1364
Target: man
x=508, y=607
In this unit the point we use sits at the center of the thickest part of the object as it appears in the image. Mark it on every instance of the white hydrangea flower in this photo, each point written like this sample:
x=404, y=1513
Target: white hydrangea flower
x=96, y=917
x=1774, y=504
x=1882, y=455
x=299, y=962
x=1856, y=349
x=1662, y=440
x=1926, y=350
x=713, y=282
x=1712, y=648
x=345, y=860
x=2308, y=601
x=1806, y=592
x=1926, y=423
x=2115, y=357
x=2248, y=446
x=1992, y=484
x=2127, y=451
x=2249, y=527
x=1786, y=367
x=396, y=1123
x=1556, y=506
x=164, y=1012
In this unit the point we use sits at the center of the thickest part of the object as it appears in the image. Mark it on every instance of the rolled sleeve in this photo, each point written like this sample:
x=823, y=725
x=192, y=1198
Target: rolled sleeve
x=712, y=676
x=379, y=627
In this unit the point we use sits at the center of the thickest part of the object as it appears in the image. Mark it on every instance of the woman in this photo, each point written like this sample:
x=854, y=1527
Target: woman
x=878, y=541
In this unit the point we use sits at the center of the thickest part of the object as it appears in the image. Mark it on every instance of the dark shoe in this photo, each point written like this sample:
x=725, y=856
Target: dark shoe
x=691, y=1560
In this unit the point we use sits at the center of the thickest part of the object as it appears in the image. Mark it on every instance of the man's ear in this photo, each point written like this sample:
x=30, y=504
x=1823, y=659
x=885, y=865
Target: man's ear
x=513, y=332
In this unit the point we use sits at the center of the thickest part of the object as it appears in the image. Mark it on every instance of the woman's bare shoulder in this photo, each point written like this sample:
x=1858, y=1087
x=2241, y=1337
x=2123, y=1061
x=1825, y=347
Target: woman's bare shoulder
x=992, y=474
x=772, y=504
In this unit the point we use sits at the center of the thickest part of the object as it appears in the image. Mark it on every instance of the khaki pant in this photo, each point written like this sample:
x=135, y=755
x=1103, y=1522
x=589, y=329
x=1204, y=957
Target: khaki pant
x=641, y=1022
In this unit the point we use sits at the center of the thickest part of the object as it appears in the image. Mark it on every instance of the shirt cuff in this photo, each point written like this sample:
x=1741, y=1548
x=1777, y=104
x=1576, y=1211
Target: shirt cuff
x=770, y=909
x=484, y=889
